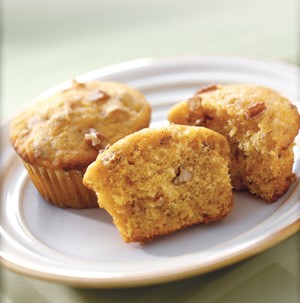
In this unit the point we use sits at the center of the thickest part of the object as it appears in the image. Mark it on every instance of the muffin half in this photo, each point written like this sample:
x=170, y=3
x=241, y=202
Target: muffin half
x=156, y=181
x=260, y=126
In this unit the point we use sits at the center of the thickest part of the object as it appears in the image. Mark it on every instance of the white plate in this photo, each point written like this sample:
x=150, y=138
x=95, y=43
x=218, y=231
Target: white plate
x=83, y=248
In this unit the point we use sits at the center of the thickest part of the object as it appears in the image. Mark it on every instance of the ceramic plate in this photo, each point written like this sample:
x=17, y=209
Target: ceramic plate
x=83, y=248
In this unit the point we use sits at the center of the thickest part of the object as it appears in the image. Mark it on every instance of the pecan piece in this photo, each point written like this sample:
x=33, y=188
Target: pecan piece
x=207, y=89
x=110, y=160
x=199, y=122
x=117, y=110
x=76, y=84
x=194, y=104
x=183, y=175
x=95, y=140
x=97, y=95
x=165, y=141
x=255, y=110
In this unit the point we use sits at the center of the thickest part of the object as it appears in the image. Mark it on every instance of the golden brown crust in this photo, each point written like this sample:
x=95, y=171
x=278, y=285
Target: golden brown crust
x=156, y=181
x=52, y=133
x=57, y=138
x=260, y=125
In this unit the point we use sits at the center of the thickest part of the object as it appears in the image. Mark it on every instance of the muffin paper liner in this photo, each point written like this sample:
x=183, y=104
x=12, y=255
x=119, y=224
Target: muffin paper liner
x=62, y=188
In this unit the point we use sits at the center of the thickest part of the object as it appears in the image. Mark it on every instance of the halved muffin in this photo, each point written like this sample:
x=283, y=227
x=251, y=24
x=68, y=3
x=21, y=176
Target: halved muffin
x=260, y=126
x=156, y=181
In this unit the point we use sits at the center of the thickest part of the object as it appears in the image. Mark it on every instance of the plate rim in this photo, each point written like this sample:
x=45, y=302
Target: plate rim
x=125, y=282
x=144, y=279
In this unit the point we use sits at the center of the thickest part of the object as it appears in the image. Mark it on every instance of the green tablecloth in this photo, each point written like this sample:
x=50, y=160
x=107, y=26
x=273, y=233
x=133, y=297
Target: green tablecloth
x=47, y=42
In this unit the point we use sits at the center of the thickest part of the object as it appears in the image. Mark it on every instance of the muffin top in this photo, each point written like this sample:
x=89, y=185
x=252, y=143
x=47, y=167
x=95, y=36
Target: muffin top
x=243, y=112
x=67, y=130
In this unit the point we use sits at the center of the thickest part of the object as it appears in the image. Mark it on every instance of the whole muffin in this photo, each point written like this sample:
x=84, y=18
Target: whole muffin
x=157, y=181
x=260, y=126
x=57, y=138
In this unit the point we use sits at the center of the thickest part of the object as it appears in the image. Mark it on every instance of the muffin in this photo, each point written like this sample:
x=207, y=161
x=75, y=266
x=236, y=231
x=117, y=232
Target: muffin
x=157, y=181
x=260, y=126
x=57, y=138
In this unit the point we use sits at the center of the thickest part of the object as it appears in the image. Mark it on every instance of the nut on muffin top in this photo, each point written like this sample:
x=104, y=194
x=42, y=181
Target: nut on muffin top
x=257, y=110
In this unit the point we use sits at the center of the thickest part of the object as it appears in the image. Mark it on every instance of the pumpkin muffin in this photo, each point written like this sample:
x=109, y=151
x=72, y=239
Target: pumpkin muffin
x=156, y=181
x=260, y=125
x=57, y=138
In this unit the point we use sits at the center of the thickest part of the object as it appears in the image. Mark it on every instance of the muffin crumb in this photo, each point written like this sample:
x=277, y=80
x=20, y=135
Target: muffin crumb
x=156, y=181
x=260, y=125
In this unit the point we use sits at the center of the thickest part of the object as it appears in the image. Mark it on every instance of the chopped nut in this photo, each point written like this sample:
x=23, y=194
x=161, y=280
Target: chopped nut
x=205, y=145
x=206, y=89
x=110, y=160
x=194, y=104
x=97, y=95
x=62, y=116
x=115, y=109
x=160, y=201
x=199, y=119
x=255, y=110
x=182, y=175
x=76, y=84
x=199, y=122
x=232, y=132
x=94, y=139
x=165, y=140
x=157, y=202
